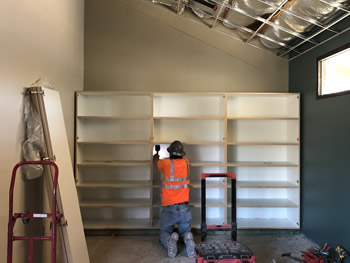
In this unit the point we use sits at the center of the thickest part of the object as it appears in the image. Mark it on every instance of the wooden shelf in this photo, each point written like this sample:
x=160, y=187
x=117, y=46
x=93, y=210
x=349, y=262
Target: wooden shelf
x=262, y=118
x=244, y=184
x=266, y=223
x=244, y=223
x=112, y=142
x=196, y=222
x=191, y=143
x=116, y=163
x=113, y=117
x=210, y=185
x=207, y=164
x=112, y=93
x=261, y=164
x=265, y=202
x=264, y=143
x=211, y=202
x=109, y=224
x=122, y=203
x=198, y=185
x=189, y=118
x=113, y=184
x=265, y=184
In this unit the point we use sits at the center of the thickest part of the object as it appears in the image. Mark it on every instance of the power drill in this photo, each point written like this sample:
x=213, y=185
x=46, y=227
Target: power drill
x=157, y=148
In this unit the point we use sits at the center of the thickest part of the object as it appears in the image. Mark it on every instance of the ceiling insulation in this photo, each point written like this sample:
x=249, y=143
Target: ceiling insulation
x=287, y=28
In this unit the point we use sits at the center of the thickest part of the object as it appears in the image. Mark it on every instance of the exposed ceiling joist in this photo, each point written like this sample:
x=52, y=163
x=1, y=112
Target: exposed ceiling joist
x=287, y=28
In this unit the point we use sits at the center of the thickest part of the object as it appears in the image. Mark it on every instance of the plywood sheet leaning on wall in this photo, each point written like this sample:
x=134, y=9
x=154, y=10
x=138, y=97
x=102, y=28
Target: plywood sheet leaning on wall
x=71, y=233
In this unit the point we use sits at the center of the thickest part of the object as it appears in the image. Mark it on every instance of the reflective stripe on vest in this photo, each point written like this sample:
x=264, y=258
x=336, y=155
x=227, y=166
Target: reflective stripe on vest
x=176, y=180
x=167, y=186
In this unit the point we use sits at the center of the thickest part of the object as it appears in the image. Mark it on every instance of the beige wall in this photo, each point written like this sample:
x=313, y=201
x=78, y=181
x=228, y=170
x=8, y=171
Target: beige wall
x=130, y=45
x=135, y=45
x=38, y=39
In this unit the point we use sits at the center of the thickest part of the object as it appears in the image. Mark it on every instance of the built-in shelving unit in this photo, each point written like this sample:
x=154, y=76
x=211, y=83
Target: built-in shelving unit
x=255, y=135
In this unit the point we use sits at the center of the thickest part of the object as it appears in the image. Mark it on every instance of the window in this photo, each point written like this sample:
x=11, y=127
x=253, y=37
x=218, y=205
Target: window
x=334, y=73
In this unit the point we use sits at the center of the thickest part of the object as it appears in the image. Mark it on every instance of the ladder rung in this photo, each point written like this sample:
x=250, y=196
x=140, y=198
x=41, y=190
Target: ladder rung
x=32, y=238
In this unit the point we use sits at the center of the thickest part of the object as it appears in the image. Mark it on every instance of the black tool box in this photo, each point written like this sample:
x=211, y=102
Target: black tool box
x=221, y=252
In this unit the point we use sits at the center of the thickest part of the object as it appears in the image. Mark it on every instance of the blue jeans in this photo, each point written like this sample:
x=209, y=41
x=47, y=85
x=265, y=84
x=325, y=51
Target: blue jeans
x=170, y=216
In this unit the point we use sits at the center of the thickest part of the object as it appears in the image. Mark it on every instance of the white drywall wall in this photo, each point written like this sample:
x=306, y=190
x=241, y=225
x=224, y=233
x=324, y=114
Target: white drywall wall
x=37, y=39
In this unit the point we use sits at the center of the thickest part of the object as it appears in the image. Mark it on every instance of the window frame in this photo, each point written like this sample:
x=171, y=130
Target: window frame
x=319, y=73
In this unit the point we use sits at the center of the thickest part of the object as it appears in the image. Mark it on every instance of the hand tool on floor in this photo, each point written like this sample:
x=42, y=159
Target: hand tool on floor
x=290, y=256
x=318, y=255
x=342, y=253
x=324, y=252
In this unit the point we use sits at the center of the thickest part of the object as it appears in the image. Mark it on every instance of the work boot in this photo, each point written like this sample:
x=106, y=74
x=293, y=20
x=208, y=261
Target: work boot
x=190, y=245
x=172, y=245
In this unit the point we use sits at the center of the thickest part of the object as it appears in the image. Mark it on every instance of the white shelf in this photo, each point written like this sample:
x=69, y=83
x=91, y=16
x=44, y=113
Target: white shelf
x=247, y=223
x=122, y=203
x=189, y=118
x=196, y=222
x=211, y=202
x=262, y=164
x=111, y=224
x=198, y=185
x=191, y=143
x=189, y=105
x=113, y=184
x=111, y=129
x=254, y=135
x=113, y=104
x=112, y=142
x=207, y=164
x=113, y=153
x=244, y=184
x=266, y=154
x=262, y=118
x=112, y=174
x=264, y=143
x=266, y=223
x=263, y=105
x=265, y=202
x=265, y=184
x=189, y=130
x=210, y=185
x=114, y=117
x=116, y=163
x=268, y=131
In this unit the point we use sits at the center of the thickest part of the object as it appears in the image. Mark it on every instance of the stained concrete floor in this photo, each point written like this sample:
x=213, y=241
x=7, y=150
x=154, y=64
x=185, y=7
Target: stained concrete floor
x=147, y=249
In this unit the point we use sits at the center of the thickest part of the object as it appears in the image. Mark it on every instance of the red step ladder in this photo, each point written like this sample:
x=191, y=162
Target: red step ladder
x=14, y=216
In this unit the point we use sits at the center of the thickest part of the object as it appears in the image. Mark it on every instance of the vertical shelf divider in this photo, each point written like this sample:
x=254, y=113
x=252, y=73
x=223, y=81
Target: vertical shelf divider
x=152, y=166
x=225, y=161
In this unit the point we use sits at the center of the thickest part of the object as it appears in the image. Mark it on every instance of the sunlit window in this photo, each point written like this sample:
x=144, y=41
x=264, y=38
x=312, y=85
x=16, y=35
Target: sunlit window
x=334, y=73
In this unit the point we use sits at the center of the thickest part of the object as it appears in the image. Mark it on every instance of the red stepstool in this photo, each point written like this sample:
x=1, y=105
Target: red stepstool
x=14, y=216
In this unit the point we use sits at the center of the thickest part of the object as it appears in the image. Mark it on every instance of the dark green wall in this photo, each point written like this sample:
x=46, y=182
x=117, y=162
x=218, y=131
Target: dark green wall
x=325, y=153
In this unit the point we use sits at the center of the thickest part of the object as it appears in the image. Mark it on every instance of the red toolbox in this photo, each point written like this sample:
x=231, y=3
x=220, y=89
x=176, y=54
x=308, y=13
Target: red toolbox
x=221, y=252
x=311, y=258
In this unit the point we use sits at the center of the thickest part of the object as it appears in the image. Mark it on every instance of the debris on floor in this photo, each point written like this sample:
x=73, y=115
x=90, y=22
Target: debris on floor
x=320, y=255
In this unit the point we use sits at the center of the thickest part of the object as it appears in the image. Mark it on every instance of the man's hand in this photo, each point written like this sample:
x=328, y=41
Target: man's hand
x=155, y=159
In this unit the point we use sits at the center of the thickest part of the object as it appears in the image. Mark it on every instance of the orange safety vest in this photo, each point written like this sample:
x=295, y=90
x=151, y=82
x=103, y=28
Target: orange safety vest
x=176, y=180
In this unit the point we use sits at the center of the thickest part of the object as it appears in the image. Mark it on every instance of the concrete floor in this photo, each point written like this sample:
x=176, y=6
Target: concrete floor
x=147, y=249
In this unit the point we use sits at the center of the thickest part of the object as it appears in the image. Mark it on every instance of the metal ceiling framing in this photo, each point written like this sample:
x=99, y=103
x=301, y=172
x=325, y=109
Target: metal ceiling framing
x=300, y=43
